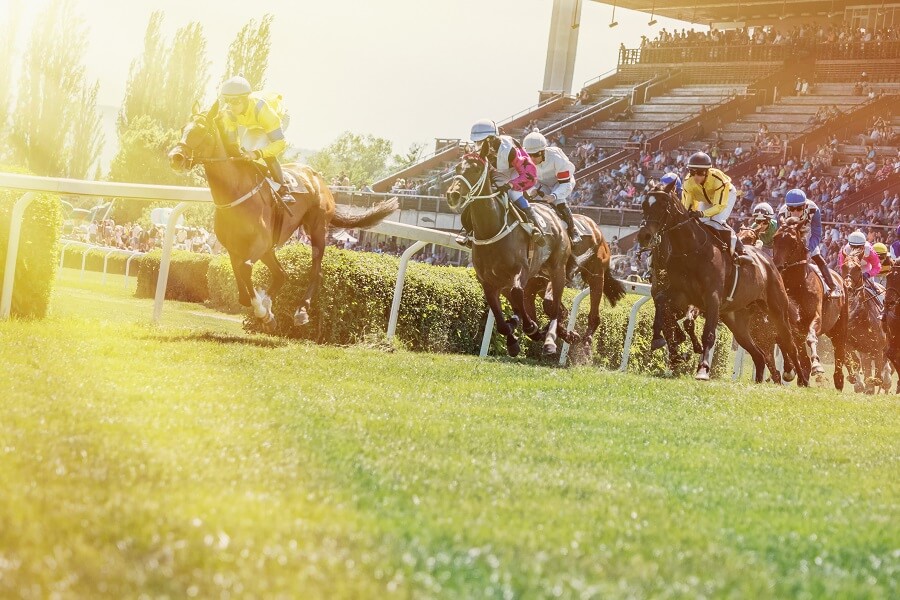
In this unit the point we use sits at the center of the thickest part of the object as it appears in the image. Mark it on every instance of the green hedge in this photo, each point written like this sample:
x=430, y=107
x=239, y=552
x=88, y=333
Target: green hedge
x=187, y=276
x=115, y=265
x=38, y=255
x=442, y=309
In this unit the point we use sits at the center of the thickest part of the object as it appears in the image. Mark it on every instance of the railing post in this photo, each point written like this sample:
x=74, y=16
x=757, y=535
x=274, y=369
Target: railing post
x=629, y=334
x=163, y=278
x=84, y=262
x=398, y=288
x=128, y=266
x=12, y=252
x=62, y=257
x=573, y=316
x=488, y=332
x=105, y=260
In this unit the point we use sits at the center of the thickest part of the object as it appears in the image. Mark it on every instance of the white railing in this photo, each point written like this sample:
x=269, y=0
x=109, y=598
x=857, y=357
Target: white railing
x=185, y=195
x=65, y=244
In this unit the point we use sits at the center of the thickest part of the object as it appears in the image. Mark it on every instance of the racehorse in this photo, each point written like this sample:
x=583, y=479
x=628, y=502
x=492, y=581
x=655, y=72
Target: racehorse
x=669, y=303
x=891, y=319
x=506, y=259
x=590, y=260
x=865, y=335
x=817, y=313
x=699, y=268
x=250, y=224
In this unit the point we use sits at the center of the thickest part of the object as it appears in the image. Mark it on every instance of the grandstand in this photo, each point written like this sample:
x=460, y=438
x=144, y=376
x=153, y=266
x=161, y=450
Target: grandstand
x=772, y=81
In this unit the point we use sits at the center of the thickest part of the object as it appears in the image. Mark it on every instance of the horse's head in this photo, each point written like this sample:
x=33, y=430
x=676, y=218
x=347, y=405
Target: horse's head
x=471, y=181
x=662, y=211
x=853, y=262
x=789, y=244
x=198, y=140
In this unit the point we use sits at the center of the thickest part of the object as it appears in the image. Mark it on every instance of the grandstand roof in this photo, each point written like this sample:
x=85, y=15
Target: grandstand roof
x=749, y=12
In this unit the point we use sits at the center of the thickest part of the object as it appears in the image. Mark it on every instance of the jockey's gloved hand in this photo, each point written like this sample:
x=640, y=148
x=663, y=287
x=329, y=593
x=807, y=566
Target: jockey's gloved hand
x=697, y=214
x=503, y=188
x=251, y=154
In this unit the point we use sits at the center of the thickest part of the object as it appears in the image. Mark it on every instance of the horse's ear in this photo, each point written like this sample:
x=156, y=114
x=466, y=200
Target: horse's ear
x=196, y=108
x=214, y=110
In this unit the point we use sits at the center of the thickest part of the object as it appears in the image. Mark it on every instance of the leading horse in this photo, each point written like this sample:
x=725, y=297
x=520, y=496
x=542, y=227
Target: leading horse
x=506, y=260
x=701, y=270
x=817, y=313
x=248, y=221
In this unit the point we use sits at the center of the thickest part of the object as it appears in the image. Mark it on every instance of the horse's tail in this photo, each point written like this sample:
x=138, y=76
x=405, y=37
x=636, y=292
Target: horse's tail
x=346, y=218
x=613, y=289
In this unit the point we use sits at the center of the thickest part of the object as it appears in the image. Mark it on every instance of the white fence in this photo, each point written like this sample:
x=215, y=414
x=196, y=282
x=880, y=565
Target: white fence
x=185, y=195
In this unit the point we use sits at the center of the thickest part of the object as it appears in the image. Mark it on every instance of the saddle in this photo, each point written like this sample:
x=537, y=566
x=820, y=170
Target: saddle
x=293, y=184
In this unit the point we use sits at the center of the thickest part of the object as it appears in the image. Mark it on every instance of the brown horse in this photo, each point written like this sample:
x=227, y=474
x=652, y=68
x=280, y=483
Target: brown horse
x=817, y=313
x=250, y=224
x=700, y=268
x=592, y=264
x=866, y=339
x=890, y=320
x=505, y=257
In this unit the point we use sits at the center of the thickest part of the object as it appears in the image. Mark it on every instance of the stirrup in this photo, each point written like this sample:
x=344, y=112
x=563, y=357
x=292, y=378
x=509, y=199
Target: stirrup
x=285, y=196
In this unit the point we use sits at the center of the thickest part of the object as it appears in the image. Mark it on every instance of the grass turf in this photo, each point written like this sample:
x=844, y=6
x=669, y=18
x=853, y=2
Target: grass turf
x=194, y=460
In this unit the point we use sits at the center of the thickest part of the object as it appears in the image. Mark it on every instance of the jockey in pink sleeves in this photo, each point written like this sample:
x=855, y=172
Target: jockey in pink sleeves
x=513, y=170
x=870, y=263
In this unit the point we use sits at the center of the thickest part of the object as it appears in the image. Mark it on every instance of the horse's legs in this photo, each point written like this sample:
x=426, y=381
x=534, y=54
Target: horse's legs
x=278, y=275
x=557, y=285
x=242, y=277
x=516, y=298
x=595, y=282
x=317, y=242
x=778, y=314
x=492, y=297
x=709, y=336
x=739, y=324
x=690, y=320
x=838, y=335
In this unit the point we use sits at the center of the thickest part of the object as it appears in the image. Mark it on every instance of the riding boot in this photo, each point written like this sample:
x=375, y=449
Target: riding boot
x=566, y=213
x=833, y=292
x=537, y=234
x=737, y=252
x=278, y=177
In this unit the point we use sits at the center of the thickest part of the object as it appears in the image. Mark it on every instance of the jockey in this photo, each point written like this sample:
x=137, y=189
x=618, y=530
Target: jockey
x=881, y=251
x=673, y=182
x=709, y=196
x=871, y=266
x=556, y=177
x=797, y=205
x=765, y=225
x=247, y=111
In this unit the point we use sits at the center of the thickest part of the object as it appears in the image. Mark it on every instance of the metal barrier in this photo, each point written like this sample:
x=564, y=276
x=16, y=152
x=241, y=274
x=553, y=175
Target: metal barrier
x=109, y=252
x=185, y=195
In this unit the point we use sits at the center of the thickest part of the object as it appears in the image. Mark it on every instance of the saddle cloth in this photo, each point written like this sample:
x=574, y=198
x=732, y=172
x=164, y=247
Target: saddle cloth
x=294, y=184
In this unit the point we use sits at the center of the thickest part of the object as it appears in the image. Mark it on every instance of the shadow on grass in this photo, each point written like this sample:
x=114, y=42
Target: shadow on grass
x=222, y=338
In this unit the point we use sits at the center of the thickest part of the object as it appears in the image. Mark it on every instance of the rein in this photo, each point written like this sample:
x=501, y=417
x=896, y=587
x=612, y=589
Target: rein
x=657, y=238
x=467, y=199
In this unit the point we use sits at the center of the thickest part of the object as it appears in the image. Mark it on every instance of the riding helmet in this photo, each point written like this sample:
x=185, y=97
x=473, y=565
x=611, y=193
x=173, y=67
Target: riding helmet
x=763, y=209
x=483, y=129
x=534, y=142
x=668, y=179
x=795, y=197
x=699, y=161
x=857, y=238
x=236, y=86
x=880, y=249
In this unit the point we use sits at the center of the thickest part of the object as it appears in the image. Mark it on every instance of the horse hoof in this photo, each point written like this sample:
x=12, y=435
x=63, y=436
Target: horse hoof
x=657, y=343
x=513, y=348
x=574, y=338
x=702, y=375
x=549, y=348
x=269, y=325
x=301, y=318
x=789, y=376
x=817, y=369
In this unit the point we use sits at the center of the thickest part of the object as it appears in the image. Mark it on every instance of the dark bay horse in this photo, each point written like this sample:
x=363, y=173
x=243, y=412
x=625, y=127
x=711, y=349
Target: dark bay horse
x=890, y=322
x=817, y=312
x=700, y=269
x=247, y=219
x=505, y=257
x=866, y=340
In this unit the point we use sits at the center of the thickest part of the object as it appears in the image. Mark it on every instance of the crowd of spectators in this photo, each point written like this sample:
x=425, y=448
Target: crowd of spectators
x=139, y=238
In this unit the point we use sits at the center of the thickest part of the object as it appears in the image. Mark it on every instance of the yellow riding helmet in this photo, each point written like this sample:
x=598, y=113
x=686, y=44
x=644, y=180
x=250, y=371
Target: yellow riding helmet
x=879, y=248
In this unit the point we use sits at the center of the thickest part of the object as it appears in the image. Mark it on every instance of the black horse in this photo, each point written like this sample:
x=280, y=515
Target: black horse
x=699, y=269
x=890, y=321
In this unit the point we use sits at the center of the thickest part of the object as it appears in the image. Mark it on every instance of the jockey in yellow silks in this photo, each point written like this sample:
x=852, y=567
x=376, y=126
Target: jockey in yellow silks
x=256, y=119
x=709, y=196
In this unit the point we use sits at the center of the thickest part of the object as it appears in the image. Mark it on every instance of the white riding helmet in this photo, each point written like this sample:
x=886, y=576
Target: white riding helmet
x=483, y=129
x=763, y=209
x=236, y=86
x=857, y=238
x=534, y=142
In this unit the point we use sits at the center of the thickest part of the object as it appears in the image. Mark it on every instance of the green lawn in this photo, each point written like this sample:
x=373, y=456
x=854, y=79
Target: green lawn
x=194, y=460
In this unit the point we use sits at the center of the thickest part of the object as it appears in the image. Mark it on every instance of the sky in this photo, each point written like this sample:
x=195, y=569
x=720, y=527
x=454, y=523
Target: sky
x=405, y=70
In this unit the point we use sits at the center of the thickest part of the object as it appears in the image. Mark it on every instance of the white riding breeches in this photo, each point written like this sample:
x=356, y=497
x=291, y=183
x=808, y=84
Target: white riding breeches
x=726, y=212
x=547, y=191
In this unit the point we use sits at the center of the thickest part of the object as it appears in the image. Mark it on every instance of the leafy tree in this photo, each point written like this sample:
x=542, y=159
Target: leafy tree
x=8, y=34
x=86, y=135
x=409, y=158
x=144, y=89
x=248, y=54
x=363, y=158
x=52, y=88
x=186, y=77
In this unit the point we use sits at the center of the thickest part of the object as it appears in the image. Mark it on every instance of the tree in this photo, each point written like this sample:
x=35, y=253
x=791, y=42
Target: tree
x=145, y=87
x=86, y=135
x=361, y=158
x=187, y=75
x=248, y=54
x=8, y=35
x=52, y=87
x=411, y=157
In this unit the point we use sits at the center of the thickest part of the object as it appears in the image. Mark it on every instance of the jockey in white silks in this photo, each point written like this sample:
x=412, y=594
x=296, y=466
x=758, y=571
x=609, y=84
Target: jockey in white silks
x=555, y=178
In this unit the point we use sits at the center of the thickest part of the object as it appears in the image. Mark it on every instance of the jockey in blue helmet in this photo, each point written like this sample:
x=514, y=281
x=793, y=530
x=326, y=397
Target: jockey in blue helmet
x=673, y=182
x=797, y=205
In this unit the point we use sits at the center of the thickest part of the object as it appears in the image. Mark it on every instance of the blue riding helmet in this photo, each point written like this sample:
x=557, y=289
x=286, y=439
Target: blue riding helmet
x=670, y=178
x=795, y=197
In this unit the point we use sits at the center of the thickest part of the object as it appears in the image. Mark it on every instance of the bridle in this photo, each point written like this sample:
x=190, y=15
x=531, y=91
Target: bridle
x=471, y=195
x=667, y=215
x=797, y=241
